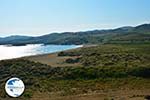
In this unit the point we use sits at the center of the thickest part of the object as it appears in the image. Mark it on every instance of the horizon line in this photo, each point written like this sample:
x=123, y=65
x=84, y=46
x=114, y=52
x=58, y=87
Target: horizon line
x=60, y=32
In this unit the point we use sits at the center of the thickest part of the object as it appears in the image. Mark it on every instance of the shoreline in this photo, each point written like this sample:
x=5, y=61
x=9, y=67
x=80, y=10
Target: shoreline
x=54, y=60
x=81, y=46
x=31, y=55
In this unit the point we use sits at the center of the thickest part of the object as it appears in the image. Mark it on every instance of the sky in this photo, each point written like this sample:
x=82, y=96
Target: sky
x=38, y=17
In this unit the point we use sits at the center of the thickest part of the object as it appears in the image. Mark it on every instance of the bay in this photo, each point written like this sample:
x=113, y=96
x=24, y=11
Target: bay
x=9, y=52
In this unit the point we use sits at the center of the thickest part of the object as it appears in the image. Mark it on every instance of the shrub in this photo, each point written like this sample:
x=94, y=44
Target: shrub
x=70, y=60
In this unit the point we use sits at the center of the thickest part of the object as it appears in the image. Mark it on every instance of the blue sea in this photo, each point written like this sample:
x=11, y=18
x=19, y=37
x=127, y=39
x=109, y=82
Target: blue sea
x=9, y=52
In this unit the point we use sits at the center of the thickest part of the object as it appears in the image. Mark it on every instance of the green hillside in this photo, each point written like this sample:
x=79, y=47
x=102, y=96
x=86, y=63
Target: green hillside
x=104, y=67
x=138, y=34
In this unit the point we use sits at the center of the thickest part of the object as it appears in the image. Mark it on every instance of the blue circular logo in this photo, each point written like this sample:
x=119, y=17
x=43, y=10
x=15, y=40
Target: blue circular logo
x=14, y=87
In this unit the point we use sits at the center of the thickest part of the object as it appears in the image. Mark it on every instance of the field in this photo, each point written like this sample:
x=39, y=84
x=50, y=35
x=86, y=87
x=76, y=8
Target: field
x=102, y=72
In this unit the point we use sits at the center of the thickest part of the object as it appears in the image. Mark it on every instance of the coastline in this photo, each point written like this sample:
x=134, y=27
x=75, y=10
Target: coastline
x=54, y=60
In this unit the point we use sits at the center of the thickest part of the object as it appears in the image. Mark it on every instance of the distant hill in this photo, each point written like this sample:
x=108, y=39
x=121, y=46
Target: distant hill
x=13, y=39
x=127, y=34
x=143, y=28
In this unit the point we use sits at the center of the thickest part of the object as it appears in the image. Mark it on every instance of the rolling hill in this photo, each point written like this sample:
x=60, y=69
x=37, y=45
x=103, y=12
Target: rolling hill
x=127, y=34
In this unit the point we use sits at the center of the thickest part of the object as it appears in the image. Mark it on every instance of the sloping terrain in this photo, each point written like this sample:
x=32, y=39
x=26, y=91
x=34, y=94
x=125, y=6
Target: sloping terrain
x=106, y=72
x=138, y=34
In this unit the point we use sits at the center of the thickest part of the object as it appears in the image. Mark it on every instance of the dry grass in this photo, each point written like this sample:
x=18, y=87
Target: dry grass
x=52, y=59
x=107, y=95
